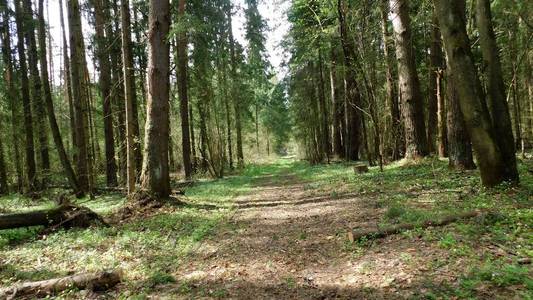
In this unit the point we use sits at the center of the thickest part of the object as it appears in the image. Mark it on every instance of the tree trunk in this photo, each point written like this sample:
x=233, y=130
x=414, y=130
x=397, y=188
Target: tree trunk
x=26, y=103
x=68, y=84
x=3, y=172
x=134, y=161
x=102, y=44
x=338, y=107
x=236, y=100
x=79, y=93
x=184, y=97
x=324, y=115
x=451, y=17
x=36, y=92
x=393, y=122
x=442, y=135
x=412, y=104
x=155, y=174
x=49, y=105
x=353, y=95
x=193, y=141
x=436, y=62
x=499, y=110
x=459, y=145
x=11, y=90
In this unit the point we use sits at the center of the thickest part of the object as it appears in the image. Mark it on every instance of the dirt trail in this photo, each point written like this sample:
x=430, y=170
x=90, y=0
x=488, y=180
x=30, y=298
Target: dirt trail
x=285, y=242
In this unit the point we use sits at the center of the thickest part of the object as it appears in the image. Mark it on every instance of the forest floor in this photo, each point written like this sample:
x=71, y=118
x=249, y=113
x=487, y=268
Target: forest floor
x=279, y=231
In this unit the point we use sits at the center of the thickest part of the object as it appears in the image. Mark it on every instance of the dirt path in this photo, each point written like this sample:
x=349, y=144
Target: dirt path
x=285, y=242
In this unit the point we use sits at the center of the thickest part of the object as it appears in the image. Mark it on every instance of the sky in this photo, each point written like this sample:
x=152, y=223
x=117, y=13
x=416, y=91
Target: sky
x=273, y=11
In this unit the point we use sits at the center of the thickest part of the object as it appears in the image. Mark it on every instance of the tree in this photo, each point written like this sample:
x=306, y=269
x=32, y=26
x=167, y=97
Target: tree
x=79, y=94
x=183, y=92
x=26, y=102
x=501, y=119
x=436, y=61
x=134, y=156
x=11, y=90
x=102, y=54
x=155, y=172
x=411, y=95
x=49, y=105
x=451, y=17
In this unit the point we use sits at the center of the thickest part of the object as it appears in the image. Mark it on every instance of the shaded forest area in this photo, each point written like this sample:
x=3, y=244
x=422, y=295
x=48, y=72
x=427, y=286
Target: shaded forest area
x=153, y=149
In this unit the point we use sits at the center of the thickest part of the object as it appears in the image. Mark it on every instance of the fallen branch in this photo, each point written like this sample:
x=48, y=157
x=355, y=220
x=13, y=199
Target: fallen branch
x=384, y=232
x=66, y=216
x=94, y=281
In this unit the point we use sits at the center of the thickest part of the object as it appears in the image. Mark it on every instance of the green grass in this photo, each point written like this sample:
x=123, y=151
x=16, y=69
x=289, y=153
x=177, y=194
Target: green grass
x=150, y=249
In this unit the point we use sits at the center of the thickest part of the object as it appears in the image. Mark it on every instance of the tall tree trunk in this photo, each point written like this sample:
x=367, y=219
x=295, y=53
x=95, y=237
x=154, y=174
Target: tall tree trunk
x=338, y=107
x=236, y=99
x=442, y=135
x=11, y=90
x=3, y=173
x=436, y=62
x=412, y=104
x=451, y=17
x=68, y=84
x=132, y=124
x=499, y=110
x=36, y=92
x=49, y=105
x=184, y=96
x=324, y=115
x=353, y=94
x=155, y=172
x=394, y=122
x=100, y=7
x=79, y=93
x=193, y=141
x=26, y=102
x=459, y=145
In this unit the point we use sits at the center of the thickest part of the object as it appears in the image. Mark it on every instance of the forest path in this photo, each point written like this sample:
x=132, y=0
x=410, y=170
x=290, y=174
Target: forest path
x=286, y=241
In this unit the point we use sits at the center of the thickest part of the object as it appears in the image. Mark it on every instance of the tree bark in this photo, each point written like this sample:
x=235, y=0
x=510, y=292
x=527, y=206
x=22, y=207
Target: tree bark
x=134, y=161
x=459, y=145
x=499, y=110
x=394, y=122
x=49, y=105
x=155, y=172
x=412, y=104
x=442, y=129
x=11, y=90
x=4, y=189
x=436, y=64
x=79, y=93
x=184, y=95
x=26, y=102
x=451, y=17
x=353, y=94
x=102, y=44
x=338, y=107
x=94, y=281
x=236, y=100
x=324, y=115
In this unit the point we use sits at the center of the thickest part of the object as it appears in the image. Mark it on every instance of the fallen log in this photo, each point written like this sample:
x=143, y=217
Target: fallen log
x=384, y=232
x=66, y=216
x=94, y=281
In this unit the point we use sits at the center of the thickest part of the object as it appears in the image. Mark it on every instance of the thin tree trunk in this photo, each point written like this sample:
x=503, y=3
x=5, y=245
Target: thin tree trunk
x=338, y=108
x=412, y=104
x=451, y=17
x=102, y=42
x=325, y=139
x=12, y=93
x=236, y=101
x=193, y=141
x=68, y=84
x=442, y=134
x=436, y=62
x=132, y=125
x=28, y=120
x=79, y=93
x=155, y=172
x=183, y=93
x=49, y=105
x=499, y=110
x=353, y=96
x=36, y=92
x=394, y=122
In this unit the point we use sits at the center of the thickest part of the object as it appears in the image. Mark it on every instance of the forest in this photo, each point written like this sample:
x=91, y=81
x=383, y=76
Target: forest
x=266, y=149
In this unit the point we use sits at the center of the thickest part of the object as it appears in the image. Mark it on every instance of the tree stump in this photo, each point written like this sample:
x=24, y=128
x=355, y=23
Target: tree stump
x=360, y=169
